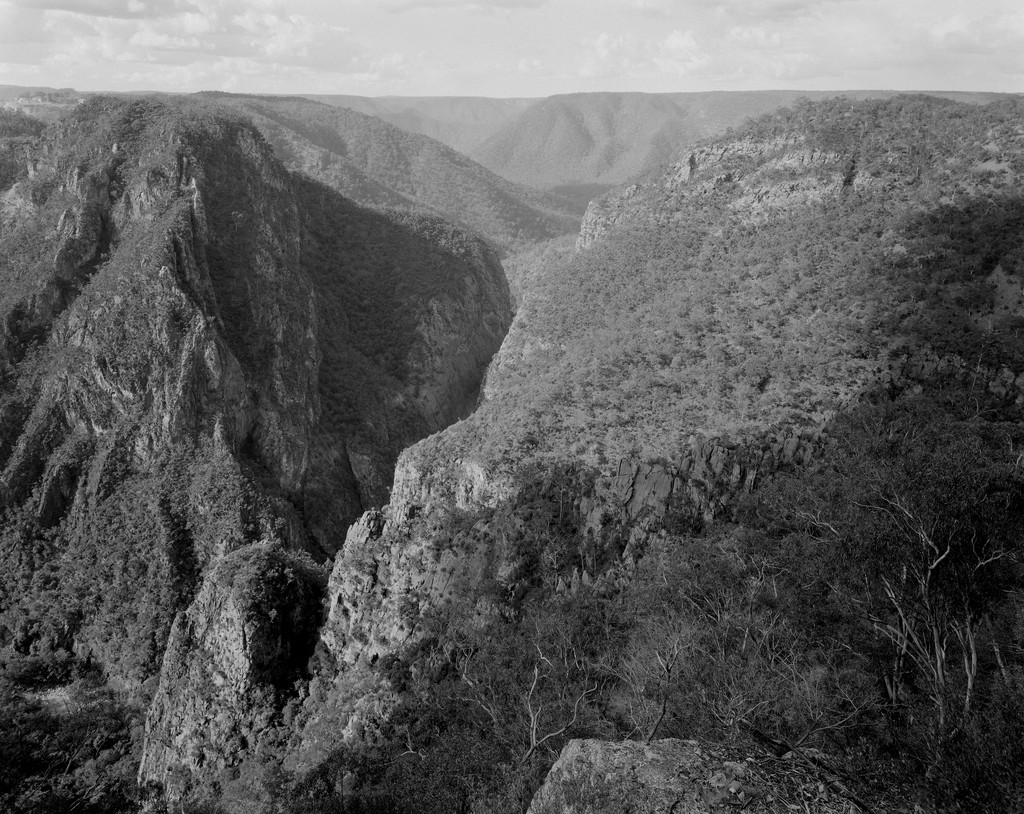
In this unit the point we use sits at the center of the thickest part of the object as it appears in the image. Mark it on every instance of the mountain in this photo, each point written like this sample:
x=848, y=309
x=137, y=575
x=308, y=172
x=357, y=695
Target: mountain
x=587, y=139
x=461, y=122
x=608, y=138
x=201, y=351
x=375, y=163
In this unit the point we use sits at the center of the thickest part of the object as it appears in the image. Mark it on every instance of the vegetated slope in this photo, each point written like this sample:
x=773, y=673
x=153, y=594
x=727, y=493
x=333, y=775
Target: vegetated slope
x=461, y=122
x=764, y=280
x=201, y=351
x=826, y=575
x=374, y=162
x=608, y=138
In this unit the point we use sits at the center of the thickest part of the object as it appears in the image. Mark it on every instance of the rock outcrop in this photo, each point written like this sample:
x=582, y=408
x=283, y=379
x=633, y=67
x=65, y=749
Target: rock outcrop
x=230, y=666
x=752, y=167
x=683, y=776
x=668, y=775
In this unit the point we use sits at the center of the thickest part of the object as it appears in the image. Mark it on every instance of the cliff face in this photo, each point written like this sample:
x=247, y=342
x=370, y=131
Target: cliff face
x=208, y=365
x=376, y=163
x=201, y=351
x=750, y=166
x=231, y=662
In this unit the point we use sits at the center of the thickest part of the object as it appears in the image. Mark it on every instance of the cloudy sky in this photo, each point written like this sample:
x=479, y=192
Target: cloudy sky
x=512, y=47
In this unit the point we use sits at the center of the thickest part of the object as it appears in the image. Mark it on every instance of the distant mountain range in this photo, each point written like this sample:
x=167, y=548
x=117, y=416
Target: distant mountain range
x=583, y=139
x=578, y=145
x=610, y=138
x=461, y=122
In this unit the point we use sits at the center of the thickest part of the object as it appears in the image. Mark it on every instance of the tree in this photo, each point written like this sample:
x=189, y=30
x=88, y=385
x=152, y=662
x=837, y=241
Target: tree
x=918, y=512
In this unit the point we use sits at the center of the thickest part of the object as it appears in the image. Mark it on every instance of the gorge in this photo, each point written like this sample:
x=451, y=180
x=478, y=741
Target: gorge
x=308, y=511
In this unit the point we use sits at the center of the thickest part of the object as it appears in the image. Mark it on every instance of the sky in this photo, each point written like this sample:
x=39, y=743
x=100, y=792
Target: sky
x=512, y=48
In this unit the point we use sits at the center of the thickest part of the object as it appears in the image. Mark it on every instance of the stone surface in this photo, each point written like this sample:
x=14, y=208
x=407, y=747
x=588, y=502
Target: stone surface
x=230, y=664
x=631, y=776
x=684, y=777
x=752, y=164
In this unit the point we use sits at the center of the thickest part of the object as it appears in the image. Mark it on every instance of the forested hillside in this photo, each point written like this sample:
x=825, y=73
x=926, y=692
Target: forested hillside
x=16, y=132
x=765, y=280
x=747, y=472
x=374, y=162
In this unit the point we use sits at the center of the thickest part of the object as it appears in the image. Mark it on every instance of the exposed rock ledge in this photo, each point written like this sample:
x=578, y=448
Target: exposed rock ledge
x=684, y=777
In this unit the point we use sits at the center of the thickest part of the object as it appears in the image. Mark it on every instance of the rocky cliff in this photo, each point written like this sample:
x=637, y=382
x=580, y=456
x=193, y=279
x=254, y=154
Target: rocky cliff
x=230, y=667
x=201, y=351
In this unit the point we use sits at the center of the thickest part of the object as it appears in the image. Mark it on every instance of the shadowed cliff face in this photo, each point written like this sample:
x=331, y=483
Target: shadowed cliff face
x=375, y=163
x=200, y=351
x=231, y=663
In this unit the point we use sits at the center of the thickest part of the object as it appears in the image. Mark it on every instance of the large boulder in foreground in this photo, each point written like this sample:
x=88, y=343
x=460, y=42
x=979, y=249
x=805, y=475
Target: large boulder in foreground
x=684, y=777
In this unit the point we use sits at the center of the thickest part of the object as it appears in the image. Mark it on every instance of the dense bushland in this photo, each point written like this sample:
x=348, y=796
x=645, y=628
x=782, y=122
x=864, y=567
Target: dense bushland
x=66, y=742
x=765, y=290
x=863, y=612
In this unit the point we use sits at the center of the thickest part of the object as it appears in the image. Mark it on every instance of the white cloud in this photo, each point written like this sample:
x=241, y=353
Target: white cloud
x=123, y=9
x=680, y=54
x=973, y=33
x=468, y=5
x=757, y=37
x=658, y=9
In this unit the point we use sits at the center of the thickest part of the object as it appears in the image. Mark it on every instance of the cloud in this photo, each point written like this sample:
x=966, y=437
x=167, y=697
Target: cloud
x=781, y=10
x=657, y=9
x=115, y=43
x=978, y=34
x=756, y=37
x=617, y=55
x=468, y=5
x=680, y=54
x=117, y=9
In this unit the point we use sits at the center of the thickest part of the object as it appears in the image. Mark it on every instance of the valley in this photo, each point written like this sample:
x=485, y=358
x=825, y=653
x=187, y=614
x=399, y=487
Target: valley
x=342, y=471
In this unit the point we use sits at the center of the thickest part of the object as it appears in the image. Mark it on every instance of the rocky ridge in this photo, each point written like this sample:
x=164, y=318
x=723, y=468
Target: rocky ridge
x=394, y=571
x=230, y=665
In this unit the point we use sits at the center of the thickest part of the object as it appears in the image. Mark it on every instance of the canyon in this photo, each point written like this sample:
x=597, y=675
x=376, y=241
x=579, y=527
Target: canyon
x=354, y=525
